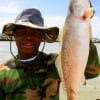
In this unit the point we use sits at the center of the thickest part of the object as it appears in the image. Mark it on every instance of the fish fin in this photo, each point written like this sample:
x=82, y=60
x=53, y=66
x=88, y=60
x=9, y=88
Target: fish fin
x=88, y=13
x=90, y=31
x=83, y=80
x=84, y=83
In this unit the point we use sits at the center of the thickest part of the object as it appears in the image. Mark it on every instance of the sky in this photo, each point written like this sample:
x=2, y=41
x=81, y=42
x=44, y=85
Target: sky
x=53, y=11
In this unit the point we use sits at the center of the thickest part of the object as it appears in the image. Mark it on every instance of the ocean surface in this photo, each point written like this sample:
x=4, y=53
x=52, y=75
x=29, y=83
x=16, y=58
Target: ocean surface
x=90, y=91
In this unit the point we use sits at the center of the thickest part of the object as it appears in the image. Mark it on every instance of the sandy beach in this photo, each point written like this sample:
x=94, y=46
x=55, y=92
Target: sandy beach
x=91, y=91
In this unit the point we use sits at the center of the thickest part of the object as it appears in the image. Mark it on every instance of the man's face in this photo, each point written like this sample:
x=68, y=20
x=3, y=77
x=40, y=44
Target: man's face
x=28, y=41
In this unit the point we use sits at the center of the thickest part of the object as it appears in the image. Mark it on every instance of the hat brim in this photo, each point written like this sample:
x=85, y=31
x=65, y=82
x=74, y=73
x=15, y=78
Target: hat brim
x=51, y=33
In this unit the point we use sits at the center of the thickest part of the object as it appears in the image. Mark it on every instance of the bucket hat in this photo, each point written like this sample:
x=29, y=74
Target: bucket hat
x=32, y=18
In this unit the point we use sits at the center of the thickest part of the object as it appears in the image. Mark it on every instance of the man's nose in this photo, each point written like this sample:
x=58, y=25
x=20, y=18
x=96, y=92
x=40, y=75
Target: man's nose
x=28, y=35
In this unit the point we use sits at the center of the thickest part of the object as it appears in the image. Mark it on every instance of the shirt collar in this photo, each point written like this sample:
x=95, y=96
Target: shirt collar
x=30, y=59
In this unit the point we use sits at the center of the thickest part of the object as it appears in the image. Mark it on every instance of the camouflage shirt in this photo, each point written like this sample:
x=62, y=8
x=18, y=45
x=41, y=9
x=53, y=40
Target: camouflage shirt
x=34, y=80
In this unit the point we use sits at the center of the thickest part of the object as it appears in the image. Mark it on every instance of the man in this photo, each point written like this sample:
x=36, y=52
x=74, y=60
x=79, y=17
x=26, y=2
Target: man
x=32, y=74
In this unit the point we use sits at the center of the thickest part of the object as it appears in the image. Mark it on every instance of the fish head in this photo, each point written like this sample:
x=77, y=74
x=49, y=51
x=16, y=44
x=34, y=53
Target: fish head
x=81, y=9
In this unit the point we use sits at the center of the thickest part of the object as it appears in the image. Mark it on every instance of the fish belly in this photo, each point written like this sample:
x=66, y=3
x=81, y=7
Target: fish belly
x=74, y=54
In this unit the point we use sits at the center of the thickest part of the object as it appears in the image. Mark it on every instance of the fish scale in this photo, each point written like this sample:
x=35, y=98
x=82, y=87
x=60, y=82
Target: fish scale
x=75, y=45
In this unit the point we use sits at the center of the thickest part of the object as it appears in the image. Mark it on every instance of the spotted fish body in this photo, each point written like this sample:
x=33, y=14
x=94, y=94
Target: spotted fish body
x=75, y=45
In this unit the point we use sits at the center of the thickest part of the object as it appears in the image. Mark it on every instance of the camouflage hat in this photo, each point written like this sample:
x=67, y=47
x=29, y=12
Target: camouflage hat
x=32, y=18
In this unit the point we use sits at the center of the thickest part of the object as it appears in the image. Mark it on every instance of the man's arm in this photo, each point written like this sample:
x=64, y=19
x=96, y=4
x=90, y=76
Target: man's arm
x=93, y=64
x=2, y=91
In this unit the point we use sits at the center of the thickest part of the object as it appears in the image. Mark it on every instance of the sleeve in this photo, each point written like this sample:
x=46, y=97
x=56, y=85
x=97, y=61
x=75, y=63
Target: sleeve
x=2, y=93
x=93, y=64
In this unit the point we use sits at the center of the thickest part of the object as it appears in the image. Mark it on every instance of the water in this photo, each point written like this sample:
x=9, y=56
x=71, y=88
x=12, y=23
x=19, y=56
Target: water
x=5, y=49
x=49, y=48
x=90, y=91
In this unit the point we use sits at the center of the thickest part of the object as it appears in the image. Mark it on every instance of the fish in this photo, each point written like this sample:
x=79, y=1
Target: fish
x=75, y=40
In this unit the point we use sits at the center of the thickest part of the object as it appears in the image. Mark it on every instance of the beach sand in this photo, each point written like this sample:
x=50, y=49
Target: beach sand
x=90, y=91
